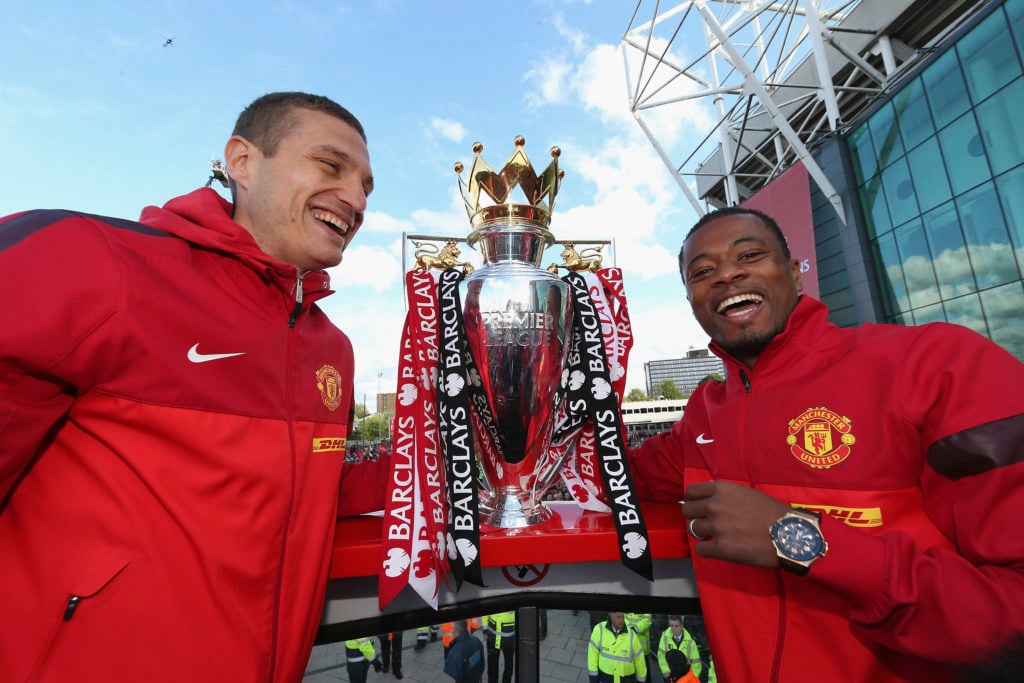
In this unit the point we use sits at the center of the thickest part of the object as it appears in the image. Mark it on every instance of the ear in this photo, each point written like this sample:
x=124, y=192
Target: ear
x=239, y=156
x=798, y=277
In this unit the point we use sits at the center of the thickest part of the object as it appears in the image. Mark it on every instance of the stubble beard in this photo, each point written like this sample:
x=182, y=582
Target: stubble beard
x=749, y=345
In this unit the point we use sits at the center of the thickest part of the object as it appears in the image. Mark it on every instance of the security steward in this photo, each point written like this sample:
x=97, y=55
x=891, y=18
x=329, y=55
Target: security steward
x=615, y=654
x=641, y=623
x=500, y=631
x=359, y=653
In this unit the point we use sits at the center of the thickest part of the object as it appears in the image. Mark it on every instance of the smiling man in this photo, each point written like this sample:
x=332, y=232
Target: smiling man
x=299, y=183
x=853, y=496
x=174, y=408
x=745, y=317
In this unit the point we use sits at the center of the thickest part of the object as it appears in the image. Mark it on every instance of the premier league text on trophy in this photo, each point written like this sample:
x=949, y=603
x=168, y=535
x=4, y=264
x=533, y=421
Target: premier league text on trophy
x=521, y=328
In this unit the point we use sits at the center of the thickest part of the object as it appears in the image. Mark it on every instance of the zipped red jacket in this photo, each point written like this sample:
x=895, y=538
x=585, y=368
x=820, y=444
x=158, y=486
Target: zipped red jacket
x=910, y=441
x=173, y=415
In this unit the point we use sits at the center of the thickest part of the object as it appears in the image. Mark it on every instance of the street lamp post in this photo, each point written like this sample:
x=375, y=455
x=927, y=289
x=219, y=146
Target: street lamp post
x=379, y=375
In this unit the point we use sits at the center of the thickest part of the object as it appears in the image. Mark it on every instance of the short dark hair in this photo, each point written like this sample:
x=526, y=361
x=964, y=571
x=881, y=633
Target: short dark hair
x=767, y=220
x=678, y=663
x=269, y=118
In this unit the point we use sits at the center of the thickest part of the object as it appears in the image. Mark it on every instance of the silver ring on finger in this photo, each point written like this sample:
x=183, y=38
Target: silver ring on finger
x=689, y=528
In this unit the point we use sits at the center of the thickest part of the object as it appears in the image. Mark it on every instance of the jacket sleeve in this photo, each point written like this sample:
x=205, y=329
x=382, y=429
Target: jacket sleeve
x=639, y=660
x=656, y=466
x=60, y=284
x=366, y=647
x=960, y=601
x=593, y=652
x=363, y=486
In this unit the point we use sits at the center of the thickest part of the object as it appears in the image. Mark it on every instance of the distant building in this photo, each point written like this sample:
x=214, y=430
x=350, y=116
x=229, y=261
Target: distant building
x=686, y=373
x=647, y=418
x=386, y=403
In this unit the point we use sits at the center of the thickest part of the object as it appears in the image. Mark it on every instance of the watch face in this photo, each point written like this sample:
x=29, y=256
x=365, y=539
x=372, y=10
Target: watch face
x=798, y=539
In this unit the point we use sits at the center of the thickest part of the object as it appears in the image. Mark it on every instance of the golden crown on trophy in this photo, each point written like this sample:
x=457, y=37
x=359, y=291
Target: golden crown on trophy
x=539, y=190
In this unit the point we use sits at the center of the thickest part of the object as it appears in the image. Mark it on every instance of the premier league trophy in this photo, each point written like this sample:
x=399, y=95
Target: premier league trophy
x=498, y=397
x=518, y=325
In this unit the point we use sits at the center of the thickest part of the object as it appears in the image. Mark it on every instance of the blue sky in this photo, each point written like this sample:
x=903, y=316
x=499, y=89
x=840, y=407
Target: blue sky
x=96, y=114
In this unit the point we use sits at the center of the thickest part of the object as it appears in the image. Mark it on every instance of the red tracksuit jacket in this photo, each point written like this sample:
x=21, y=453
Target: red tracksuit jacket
x=172, y=428
x=910, y=440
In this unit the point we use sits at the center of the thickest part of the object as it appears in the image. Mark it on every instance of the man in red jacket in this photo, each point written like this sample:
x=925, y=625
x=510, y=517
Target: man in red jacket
x=853, y=496
x=174, y=408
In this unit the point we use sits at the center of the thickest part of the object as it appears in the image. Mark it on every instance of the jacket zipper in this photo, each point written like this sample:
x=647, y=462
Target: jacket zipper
x=781, y=637
x=292, y=320
x=69, y=610
x=298, y=298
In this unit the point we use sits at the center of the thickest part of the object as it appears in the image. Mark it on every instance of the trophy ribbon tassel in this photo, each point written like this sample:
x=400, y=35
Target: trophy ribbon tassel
x=414, y=524
x=589, y=374
x=453, y=409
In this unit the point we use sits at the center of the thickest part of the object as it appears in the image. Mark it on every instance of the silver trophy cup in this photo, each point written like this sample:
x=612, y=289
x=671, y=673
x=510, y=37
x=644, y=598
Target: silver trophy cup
x=518, y=320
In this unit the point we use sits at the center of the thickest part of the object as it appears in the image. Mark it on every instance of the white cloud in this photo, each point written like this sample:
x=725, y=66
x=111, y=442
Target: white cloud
x=22, y=101
x=452, y=222
x=549, y=79
x=378, y=222
x=624, y=164
x=39, y=37
x=375, y=332
x=451, y=130
x=371, y=266
x=666, y=329
x=577, y=39
x=600, y=83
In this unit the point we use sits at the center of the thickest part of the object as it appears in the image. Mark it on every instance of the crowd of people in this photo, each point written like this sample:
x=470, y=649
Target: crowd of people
x=366, y=451
x=619, y=648
x=558, y=491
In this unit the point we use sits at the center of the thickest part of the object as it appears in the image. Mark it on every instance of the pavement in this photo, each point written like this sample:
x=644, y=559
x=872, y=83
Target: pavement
x=563, y=656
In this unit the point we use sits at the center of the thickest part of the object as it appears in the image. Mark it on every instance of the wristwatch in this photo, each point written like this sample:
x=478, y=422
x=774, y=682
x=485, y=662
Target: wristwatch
x=798, y=541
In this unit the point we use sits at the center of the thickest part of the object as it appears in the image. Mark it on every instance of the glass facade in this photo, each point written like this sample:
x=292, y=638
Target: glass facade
x=940, y=175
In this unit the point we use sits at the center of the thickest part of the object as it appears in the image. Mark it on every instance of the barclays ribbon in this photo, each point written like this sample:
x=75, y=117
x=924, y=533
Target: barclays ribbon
x=590, y=382
x=457, y=436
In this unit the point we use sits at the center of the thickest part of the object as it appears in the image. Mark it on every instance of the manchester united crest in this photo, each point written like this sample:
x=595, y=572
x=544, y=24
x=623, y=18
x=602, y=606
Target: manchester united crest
x=820, y=438
x=328, y=381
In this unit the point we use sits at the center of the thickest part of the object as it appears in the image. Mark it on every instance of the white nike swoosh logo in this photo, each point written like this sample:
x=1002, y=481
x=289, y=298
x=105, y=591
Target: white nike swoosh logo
x=196, y=357
x=701, y=439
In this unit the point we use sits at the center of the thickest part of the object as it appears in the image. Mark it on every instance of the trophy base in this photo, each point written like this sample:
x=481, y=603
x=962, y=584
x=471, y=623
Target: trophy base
x=512, y=510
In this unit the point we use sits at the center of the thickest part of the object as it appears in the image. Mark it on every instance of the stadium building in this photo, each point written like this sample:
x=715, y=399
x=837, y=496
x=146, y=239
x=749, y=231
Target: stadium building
x=881, y=134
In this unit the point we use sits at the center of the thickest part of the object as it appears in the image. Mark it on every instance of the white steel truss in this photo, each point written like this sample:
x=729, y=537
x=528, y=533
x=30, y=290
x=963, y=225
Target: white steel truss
x=773, y=77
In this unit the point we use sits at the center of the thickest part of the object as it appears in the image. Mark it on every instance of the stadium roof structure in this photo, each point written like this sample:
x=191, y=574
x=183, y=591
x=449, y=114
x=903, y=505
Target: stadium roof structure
x=774, y=78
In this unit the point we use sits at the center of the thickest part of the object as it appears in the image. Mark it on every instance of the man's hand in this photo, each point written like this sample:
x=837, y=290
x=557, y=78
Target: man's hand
x=735, y=520
x=377, y=665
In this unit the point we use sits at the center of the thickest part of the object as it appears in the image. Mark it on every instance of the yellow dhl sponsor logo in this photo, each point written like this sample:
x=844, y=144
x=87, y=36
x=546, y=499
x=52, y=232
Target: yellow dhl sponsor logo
x=858, y=517
x=328, y=444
